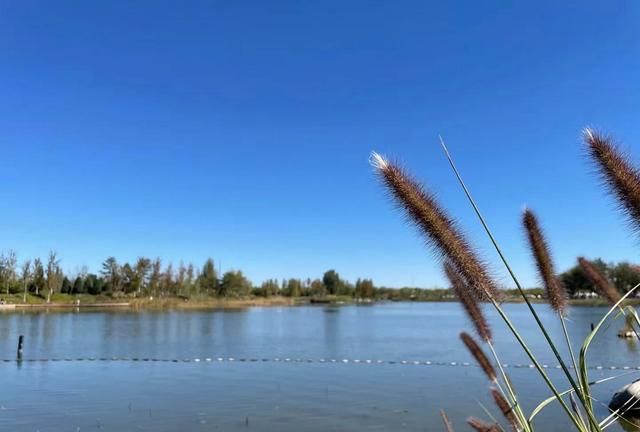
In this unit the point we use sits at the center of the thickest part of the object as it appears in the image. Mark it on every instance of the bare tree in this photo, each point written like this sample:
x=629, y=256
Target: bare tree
x=54, y=275
x=25, y=275
x=8, y=269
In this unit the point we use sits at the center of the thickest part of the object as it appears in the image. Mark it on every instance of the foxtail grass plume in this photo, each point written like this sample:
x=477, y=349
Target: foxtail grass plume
x=479, y=355
x=469, y=301
x=617, y=173
x=505, y=408
x=604, y=287
x=422, y=209
x=481, y=426
x=544, y=263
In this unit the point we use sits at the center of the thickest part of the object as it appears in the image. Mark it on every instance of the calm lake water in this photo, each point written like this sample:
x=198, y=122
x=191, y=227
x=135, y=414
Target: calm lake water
x=270, y=395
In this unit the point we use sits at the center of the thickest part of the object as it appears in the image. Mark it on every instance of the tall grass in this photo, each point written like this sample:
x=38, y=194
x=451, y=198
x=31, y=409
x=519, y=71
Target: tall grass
x=472, y=283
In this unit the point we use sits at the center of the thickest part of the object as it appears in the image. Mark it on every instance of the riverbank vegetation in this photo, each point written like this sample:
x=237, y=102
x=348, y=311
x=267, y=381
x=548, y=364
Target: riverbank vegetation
x=147, y=281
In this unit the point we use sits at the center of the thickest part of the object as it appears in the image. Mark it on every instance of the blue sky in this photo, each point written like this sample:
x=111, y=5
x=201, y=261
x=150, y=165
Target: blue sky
x=241, y=130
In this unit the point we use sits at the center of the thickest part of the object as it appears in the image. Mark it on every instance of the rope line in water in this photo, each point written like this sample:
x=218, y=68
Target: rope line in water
x=292, y=360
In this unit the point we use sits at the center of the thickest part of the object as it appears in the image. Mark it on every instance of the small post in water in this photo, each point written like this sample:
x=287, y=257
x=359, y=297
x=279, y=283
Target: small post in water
x=20, y=344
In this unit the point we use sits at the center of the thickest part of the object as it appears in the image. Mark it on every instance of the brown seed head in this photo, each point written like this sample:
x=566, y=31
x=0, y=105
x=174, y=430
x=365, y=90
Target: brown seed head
x=616, y=172
x=422, y=210
x=540, y=251
x=600, y=282
x=469, y=300
x=481, y=426
x=479, y=355
x=505, y=408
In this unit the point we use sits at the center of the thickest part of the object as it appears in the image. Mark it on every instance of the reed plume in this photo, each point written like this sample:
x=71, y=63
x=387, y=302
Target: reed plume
x=600, y=282
x=616, y=172
x=440, y=231
x=505, y=408
x=540, y=251
x=480, y=426
x=469, y=301
x=479, y=355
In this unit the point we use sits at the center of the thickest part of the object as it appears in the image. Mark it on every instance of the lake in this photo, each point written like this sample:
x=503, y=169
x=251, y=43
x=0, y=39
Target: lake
x=311, y=368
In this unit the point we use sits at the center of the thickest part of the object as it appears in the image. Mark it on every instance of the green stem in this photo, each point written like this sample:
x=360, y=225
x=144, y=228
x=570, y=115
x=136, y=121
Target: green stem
x=592, y=420
x=511, y=393
x=544, y=375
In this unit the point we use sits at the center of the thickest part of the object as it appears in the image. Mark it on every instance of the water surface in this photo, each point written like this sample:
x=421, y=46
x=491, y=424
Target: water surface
x=269, y=395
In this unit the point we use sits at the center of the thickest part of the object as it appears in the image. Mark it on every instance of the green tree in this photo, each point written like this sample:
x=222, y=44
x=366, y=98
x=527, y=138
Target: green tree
x=155, y=275
x=38, y=277
x=234, y=284
x=317, y=288
x=624, y=276
x=294, y=288
x=141, y=271
x=66, y=286
x=209, y=279
x=78, y=286
x=332, y=282
x=364, y=289
x=8, y=269
x=111, y=272
x=575, y=279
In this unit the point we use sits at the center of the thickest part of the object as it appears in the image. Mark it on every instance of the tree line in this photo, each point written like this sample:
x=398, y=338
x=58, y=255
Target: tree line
x=150, y=277
x=622, y=275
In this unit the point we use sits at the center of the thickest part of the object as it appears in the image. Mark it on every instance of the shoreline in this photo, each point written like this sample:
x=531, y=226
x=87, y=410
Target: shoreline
x=176, y=303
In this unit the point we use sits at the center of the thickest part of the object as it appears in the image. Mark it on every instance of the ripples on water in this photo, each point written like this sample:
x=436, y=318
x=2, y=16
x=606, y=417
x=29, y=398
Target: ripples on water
x=272, y=396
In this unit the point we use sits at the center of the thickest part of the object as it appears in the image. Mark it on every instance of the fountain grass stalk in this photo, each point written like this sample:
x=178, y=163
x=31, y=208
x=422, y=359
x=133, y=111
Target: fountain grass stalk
x=471, y=305
x=481, y=426
x=621, y=178
x=506, y=409
x=555, y=290
x=439, y=229
x=586, y=404
x=468, y=273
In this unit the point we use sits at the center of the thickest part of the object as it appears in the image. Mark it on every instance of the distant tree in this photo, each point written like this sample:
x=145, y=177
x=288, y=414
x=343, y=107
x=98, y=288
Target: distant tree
x=575, y=279
x=111, y=272
x=625, y=276
x=317, y=288
x=234, y=284
x=127, y=275
x=180, y=281
x=269, y=287
x=78, y=286
x=332, y=281
x=364, y=289
x=190, y=278
x=25, y=277
x=166, y=281
x=141, y=271
x=209, y=279
x=155, y=275
x=8, y=264
x=54, y=275
x=38, y=277
x=66, y=287
x=294, y=288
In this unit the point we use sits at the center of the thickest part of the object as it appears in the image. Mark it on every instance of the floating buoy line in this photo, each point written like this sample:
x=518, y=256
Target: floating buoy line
x=296, y=360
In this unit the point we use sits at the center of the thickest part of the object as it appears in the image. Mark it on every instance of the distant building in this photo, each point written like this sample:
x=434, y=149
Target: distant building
x=584, y=295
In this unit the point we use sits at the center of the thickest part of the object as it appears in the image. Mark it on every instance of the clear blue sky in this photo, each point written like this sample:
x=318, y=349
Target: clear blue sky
x=241, y=130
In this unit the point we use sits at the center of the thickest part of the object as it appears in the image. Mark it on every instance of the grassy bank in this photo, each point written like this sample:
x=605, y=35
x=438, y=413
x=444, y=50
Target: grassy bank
x=143, y=303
